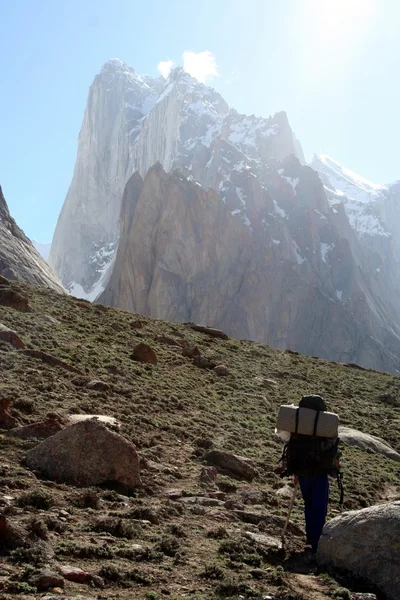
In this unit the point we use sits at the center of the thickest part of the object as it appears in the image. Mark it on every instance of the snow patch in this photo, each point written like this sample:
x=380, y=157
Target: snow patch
x=325, y=248
x=279, y=210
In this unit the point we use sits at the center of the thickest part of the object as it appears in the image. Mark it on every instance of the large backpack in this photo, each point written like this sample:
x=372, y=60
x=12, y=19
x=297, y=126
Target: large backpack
x=308, y=454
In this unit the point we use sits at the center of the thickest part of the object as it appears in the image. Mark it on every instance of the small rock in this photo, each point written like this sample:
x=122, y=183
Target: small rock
x=6, y=420
x=267, y=541
x=285, y=492
x=358, y=596
x=137, y=324
x=57, y=590
x=201, y=500
x=231, y=463
x=144, y=353
x=13, y=299
x=47, y=579
x=75, y=574
x=221, y=370
x=248, y=516
x=8, y=335
x=98, y=581
x=41, y=429
x=168, y=341
x=11, y=537
x=211, y=331
x=190, y=351
x=137, y=547
x=64, y=513
x=174, y=494
x=203, y=362
x=100, y=386
x=208, y=475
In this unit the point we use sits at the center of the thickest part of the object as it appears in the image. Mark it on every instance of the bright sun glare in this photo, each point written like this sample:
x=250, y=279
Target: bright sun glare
x=336, y=31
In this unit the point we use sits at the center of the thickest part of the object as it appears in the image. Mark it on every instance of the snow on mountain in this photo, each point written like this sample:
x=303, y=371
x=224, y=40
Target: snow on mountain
x=43, y=249
x=361, y=198
x=346, y=182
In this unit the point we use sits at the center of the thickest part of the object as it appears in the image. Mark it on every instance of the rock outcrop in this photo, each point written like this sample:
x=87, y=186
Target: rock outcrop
x=367, y=442
x=365, y=543
x=86, y=454
x=18, y=257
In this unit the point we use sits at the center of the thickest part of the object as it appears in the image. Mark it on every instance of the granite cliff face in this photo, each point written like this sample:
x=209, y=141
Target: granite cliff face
x=130, y=123
x=18, y=258
x=293, y=282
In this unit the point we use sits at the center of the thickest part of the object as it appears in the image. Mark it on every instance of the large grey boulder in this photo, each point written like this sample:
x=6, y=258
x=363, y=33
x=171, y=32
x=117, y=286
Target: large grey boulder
x=87, y=454
x=367, y=442
x=366, y=544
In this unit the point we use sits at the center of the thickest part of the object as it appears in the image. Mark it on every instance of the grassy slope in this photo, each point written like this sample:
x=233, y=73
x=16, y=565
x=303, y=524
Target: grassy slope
x=166, y=410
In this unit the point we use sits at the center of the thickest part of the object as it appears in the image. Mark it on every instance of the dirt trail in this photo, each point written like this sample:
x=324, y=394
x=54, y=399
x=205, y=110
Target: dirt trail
x=310, y=586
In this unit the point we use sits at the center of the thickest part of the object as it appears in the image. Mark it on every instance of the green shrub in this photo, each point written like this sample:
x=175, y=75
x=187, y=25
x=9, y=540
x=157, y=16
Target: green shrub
x=40, y=499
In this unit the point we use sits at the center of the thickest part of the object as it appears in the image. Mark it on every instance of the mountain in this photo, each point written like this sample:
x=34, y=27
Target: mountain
x=290, y=280
x=18, y=257
x=132, y=122
x=181, y=208
x=43, y=249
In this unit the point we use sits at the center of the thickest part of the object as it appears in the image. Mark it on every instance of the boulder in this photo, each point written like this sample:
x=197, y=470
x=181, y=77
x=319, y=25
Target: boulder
x=367, y=442
x=203, y=362
x=190, y=351
x=11, y=537
x=50, y=360
x=87, y=454
x=221, y=370
x=13, y=299
x=8, y=335
x=365, y=544
x=211, y=331
x=6, y=420
x=47, y=579
x=41, y=429
x=231, y=463
x=144, y=354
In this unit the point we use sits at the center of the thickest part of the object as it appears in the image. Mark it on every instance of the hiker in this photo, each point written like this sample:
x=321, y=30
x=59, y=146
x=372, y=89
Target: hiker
x=311, y=458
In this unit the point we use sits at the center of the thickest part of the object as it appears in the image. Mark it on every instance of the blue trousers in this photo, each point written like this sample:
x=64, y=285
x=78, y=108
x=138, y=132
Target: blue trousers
x=315, y=491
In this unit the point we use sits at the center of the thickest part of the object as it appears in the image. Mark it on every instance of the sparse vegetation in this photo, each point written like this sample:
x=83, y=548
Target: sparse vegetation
x=174, y=413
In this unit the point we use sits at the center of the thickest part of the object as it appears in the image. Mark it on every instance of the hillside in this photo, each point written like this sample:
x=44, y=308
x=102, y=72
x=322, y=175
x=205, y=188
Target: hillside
x=174, y=411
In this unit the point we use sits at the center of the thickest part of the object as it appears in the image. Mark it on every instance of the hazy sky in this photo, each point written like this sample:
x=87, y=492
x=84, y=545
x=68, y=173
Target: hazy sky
x=333, y=65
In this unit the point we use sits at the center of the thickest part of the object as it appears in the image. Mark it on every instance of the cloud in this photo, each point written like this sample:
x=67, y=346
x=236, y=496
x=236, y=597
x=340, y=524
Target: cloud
x=201, y=65
x=165, y=67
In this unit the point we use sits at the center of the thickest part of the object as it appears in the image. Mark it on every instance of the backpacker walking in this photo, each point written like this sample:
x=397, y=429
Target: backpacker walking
x=310, y=454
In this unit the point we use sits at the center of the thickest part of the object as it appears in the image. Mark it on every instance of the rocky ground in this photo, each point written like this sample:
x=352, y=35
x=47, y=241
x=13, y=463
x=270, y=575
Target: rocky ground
x=188, y=531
